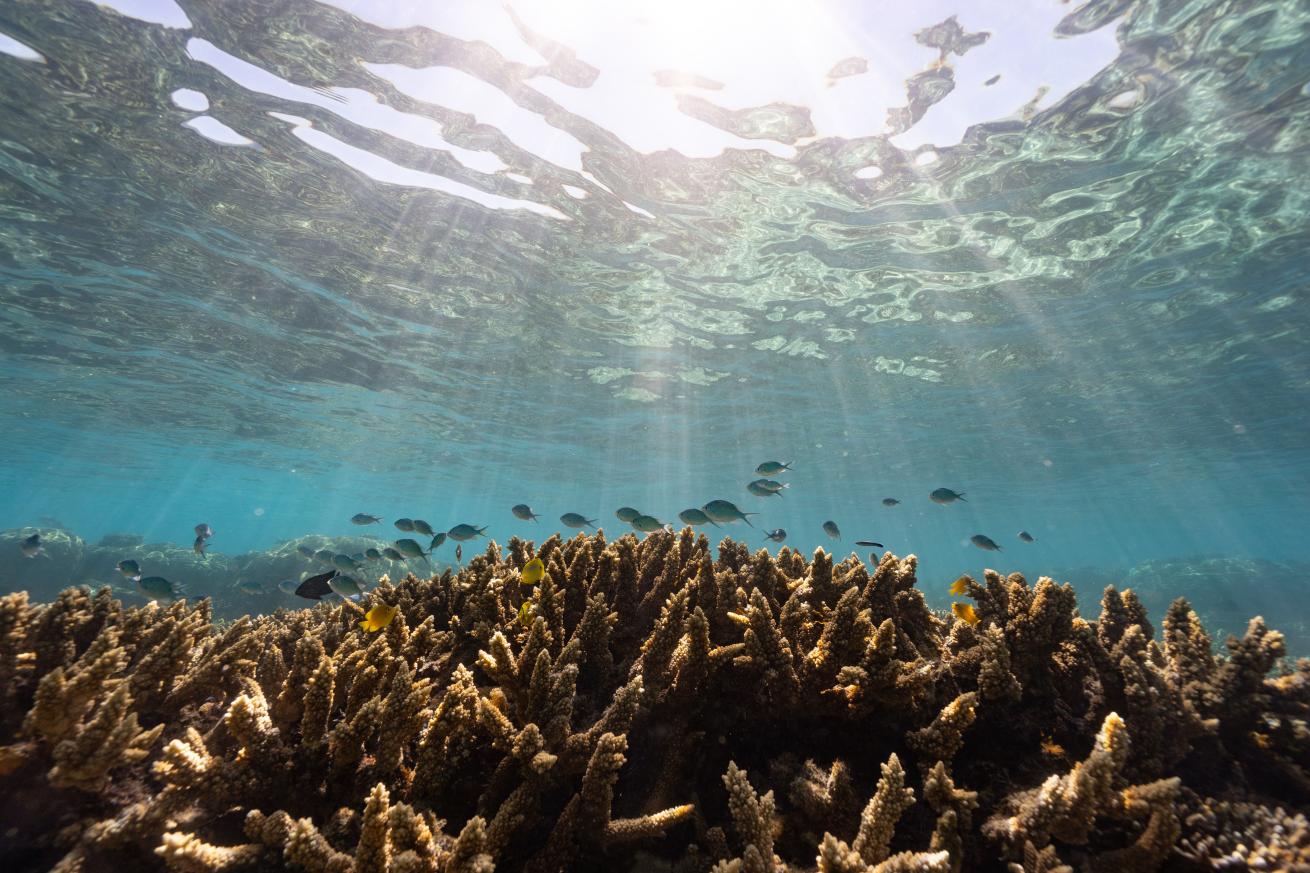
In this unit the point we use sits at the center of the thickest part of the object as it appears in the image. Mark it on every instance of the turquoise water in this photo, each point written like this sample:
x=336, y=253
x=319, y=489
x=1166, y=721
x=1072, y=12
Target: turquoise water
x=267, y=265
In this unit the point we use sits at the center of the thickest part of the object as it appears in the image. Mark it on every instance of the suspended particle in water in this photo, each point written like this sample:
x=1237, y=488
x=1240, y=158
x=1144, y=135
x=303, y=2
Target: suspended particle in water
x=1047, y=462
x=259, y=510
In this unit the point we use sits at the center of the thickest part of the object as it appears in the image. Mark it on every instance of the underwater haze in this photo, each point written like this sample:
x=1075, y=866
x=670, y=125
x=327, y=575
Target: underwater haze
x=265, y=265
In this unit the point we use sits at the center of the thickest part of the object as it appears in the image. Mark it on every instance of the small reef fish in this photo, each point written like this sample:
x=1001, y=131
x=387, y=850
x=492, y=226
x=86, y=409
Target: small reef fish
x=130, y=569
x=247, y=587
x=438, y=540
x=964, y=612
x=392, y=555
x=759, y=489
x=409, y=548
x=777, y=535
x=199, y=545
x=694, y=517
x=463, y=532
x=572, y=519
x=831, y=529
x=647, y=524
x=890, y=501
x=204, y=531
x=422, y=527
x=287, y=586
x=523, y=512
x=315, y=587
x=32, y=546
x=378, y=618
x=771, y=485
x=1026, y=537
x=945, y=496
x=987, y=544
x=373, y=554
x=345, y=562
x=404, y=524
x=362, y=518
x=525, y=613
x=345, y=587
x=626, y=514
x=157, y=588
x=726, y=512
x=324, y=555
x=305, y=551
x=868, y=544
x=459, y=554
x=959, y=586
x=532, y=572
x=773, y=468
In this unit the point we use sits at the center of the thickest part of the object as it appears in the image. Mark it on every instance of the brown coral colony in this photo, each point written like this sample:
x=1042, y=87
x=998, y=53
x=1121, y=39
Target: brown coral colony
x=663, y=709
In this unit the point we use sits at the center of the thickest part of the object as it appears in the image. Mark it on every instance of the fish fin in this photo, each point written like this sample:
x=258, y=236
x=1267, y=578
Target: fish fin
x=960, y=496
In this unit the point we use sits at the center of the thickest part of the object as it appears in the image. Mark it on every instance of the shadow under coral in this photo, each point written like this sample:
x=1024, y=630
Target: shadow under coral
x=653, y=707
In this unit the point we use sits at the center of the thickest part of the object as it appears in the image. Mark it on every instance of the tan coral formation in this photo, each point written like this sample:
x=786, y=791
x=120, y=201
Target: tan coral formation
x=665, y=707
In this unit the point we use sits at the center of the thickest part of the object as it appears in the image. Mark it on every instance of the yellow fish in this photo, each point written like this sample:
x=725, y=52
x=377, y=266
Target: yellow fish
x=525, y=613
x=964, y=612
x=959, y=586
x=532, y=572
x=378, y=617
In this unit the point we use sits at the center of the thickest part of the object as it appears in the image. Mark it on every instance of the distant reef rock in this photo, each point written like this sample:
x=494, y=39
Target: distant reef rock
x=651, y=704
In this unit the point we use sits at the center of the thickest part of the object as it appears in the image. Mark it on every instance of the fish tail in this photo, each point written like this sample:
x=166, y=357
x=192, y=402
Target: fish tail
x=960, y=496
x=747, y=520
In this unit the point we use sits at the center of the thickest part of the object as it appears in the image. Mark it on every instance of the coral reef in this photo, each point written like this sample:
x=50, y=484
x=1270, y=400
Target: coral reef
x=656, y=706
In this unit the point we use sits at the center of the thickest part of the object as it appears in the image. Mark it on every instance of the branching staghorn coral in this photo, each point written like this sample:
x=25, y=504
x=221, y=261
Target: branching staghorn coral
x=597, y=733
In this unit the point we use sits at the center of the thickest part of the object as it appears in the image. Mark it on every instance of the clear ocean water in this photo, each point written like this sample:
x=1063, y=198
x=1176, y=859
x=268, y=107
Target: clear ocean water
x=269, y=264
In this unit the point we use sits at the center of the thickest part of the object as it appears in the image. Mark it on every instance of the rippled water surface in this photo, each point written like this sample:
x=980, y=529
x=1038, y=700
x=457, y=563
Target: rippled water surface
x=272, y=263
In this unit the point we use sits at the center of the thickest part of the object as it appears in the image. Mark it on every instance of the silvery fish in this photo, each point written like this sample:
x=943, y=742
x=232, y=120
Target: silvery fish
x=647, y=523
x=438, y=540
x=1026, y=537
x=130, y=569
x=572, y=519
x=945, y=496
x=409, y=548
x=464, y=532
x=287, y=586
x=523, y=512
x=373, y=554
x=324, y=555
x=344, y=562
x=890, y=501
x=362, y=518
x=245, y=586
x=831, y=529
x=725, y=511
x=868, y=544
x=405, y=524
x=773, y=468
x=157, y=588
x=984, y=543
x=422, y=527
x=345, y=586
x=694, y=517
x=392, y=555
x=760, y=489
x=626, y=514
